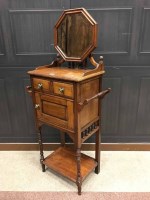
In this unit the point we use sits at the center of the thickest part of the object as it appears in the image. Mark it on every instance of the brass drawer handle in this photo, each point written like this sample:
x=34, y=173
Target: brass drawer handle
x=37, y=106
x=40, y=85
x=61, y=90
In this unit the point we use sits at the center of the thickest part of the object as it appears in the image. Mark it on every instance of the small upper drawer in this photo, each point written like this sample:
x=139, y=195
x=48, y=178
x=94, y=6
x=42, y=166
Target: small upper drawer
x=63, y=89
x=41, y=84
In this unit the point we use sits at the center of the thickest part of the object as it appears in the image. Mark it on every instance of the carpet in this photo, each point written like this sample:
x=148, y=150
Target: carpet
x=74, y=196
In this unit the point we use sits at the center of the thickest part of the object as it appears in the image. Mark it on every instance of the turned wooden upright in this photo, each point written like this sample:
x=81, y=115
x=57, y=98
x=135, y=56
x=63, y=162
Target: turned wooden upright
x=67, y=95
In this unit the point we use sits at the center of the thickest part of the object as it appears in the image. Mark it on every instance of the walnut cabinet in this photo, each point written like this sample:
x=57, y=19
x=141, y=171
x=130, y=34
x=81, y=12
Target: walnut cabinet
x=67, y=96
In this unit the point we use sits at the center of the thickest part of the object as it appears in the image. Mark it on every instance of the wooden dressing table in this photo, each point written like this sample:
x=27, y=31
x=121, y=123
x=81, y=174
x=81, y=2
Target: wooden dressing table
x=66, y=95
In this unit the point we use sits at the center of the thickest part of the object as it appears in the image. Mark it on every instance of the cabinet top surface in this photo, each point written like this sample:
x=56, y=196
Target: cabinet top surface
x=76, y=75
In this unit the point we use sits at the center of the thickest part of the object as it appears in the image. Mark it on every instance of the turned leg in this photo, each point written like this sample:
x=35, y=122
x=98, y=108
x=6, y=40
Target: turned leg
x=41, y=149
x=62, y=137
x=97, y=152
x=79, y=178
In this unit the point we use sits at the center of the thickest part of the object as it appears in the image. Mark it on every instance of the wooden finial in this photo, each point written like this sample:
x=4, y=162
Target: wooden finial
x=58, y=56
x=101, y=63
x=101, y=58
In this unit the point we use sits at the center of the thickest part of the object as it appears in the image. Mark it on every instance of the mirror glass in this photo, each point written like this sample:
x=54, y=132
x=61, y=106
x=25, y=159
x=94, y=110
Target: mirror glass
x=74, y=35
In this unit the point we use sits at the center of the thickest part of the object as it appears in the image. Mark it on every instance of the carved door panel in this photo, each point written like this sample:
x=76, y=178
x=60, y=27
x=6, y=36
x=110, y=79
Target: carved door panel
x=55, y=110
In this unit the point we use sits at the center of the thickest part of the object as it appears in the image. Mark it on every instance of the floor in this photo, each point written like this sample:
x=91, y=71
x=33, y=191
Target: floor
x=125, y=171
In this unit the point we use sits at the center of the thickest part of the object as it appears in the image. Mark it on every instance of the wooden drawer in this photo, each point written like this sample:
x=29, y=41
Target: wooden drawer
x=63, y=89
x=41, y=84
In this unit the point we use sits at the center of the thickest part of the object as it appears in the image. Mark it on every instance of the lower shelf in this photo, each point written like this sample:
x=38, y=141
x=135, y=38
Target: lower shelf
x=63, y=161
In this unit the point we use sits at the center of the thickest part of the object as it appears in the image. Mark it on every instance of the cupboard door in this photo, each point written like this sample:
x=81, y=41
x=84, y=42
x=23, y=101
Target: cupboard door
x=56, y=111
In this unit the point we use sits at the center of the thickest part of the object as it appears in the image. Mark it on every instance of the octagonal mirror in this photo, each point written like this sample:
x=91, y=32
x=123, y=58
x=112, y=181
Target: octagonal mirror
x=75, y=34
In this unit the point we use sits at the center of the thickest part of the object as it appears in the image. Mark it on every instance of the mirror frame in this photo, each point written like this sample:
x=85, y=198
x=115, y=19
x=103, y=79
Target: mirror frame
x=94, y=39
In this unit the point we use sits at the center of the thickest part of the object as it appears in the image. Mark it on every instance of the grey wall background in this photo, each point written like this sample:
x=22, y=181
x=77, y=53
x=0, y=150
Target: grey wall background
x=26, y=41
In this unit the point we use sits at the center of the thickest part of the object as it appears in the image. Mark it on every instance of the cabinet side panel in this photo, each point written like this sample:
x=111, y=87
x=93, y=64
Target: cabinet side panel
x=89, y=113
x=89, y=89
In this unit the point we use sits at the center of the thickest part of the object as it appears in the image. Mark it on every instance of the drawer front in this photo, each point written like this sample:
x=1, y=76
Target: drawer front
x=41, y=85
x=63, y=89
x=55, y=110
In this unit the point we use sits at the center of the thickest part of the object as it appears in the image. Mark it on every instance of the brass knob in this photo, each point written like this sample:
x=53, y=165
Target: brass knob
x=37, y=106
x=61, y=90
x=39, y=86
